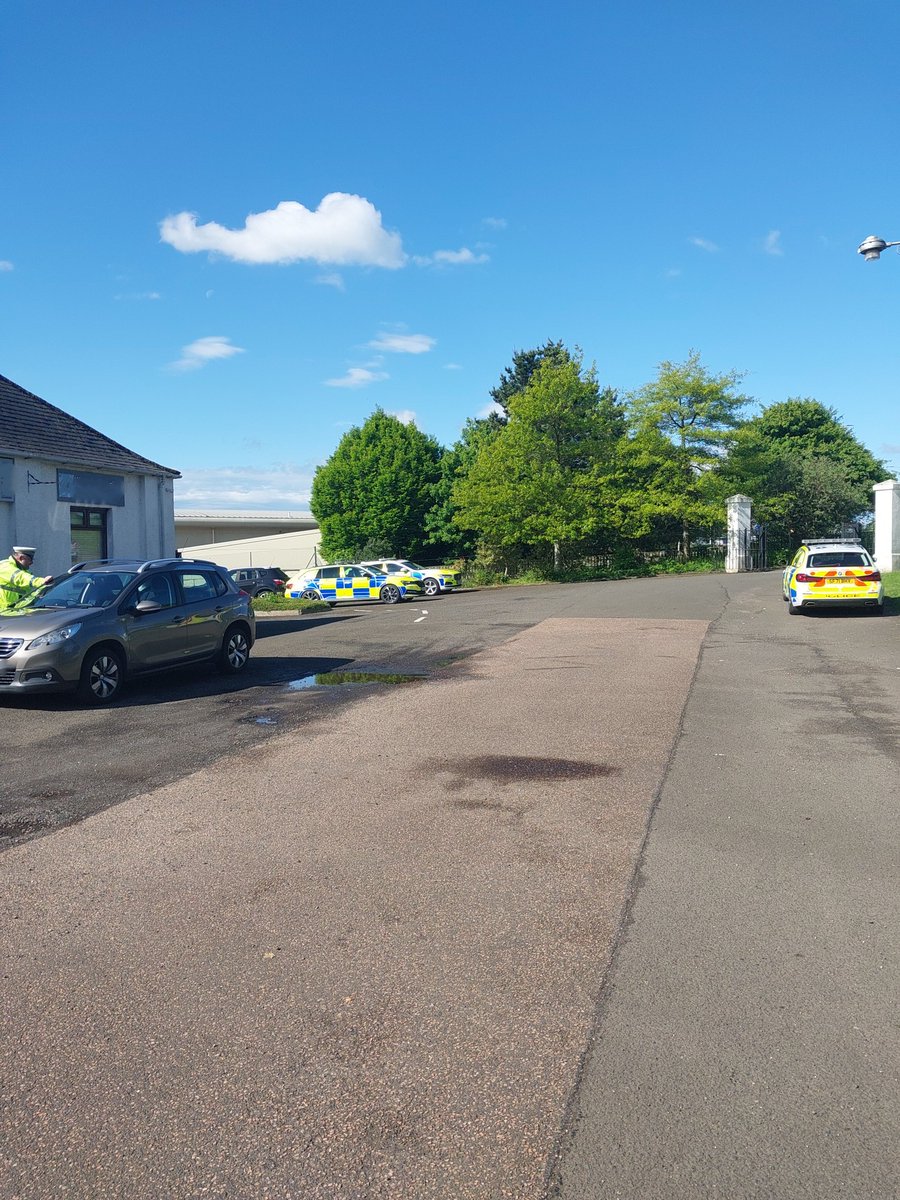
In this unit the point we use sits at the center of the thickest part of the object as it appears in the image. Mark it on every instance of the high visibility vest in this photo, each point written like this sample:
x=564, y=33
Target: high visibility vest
x=15, y=584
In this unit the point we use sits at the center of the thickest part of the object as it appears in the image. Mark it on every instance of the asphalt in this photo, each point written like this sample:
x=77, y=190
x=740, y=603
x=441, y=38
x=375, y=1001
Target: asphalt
x=607, y=909
x=318, y=975
x=747, y=1038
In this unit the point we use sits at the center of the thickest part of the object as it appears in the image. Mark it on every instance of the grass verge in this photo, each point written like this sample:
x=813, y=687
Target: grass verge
x=284, y=604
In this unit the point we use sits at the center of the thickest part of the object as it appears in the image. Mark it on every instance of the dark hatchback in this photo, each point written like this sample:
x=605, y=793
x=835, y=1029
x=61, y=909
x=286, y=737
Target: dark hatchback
x=260, y=581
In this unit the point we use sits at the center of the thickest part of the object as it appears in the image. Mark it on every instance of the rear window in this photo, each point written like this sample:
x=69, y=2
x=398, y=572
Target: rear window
x=840, y=558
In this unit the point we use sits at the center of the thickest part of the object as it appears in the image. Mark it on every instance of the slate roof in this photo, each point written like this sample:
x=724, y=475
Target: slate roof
x=31, y=426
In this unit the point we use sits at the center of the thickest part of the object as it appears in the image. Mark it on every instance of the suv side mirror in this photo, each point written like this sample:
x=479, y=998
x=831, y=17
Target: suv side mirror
x=146, y=606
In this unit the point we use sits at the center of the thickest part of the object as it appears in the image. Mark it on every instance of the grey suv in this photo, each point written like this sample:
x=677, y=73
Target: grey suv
x=104, y=620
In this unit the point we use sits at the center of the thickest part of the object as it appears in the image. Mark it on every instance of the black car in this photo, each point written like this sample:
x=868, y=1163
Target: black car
x=260, y=581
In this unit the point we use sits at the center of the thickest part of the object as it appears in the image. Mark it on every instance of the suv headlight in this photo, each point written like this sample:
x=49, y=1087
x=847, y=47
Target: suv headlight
x=52, y=639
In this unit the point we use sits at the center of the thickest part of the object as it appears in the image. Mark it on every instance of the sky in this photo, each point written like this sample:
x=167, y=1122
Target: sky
x=229, y=230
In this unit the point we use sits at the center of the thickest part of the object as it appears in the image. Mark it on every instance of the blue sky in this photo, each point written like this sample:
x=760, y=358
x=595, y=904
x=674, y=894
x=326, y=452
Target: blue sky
x=429, y=188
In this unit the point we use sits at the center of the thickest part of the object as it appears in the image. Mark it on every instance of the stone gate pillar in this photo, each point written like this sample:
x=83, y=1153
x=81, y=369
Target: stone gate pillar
x=738, y=555
x=887, y=525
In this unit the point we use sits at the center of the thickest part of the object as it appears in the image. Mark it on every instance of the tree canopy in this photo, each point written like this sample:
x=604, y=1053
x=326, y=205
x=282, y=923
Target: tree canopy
x=376, y=489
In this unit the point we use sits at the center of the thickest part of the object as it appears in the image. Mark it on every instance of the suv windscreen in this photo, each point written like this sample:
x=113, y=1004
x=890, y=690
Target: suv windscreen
x=85, y=589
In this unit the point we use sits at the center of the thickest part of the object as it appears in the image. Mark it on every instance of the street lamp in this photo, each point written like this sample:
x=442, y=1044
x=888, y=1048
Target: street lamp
x=872, y=247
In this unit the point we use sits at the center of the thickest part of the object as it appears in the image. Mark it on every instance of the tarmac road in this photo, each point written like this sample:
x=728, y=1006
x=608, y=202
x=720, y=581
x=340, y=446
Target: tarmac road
x=298, y=971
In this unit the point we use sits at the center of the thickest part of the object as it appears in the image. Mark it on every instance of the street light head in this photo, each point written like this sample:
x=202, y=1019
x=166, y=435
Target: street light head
x=872, y=247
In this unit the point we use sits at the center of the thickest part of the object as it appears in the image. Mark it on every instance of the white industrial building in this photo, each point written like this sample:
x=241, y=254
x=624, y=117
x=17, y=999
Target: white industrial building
x=287, y=540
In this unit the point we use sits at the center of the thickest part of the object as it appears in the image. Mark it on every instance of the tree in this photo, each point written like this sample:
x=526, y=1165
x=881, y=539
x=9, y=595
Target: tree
x=697, y=412
x=444, y=536
x=539, y=482
x=515, y=379
x=376, y=489
x=804, y=469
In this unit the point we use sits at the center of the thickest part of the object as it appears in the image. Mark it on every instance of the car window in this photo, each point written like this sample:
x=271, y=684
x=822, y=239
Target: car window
x=201, y=585
x=85, y=589
x=839, y=558
x=158, y=589
x=329, y=572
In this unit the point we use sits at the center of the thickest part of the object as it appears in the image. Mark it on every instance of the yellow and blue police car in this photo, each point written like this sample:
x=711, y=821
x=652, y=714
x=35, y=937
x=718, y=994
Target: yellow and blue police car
x=352, y=581
x=434, y=580
x=832, y=574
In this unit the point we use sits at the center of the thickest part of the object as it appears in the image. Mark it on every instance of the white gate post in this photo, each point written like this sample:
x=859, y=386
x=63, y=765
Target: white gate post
x=738, y=556
x=887, y=525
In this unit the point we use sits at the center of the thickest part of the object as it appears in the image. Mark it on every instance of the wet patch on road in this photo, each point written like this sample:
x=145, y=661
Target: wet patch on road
x=505, y=768
x=337, y=678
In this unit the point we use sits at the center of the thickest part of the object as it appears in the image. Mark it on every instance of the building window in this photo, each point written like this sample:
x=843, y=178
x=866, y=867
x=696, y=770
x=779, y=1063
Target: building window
x=88, y=526
x=6, y=479
x=87, y=487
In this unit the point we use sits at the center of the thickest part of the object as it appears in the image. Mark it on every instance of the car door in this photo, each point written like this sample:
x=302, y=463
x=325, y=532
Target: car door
x=207, y=610
x=154, y=639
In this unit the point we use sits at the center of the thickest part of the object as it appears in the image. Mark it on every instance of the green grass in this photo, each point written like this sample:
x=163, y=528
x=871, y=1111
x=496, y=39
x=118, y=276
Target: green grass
x=892, y=585
x=484, y=577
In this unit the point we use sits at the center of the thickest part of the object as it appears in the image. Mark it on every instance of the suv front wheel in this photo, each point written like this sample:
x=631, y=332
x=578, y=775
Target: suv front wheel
x=102, y=673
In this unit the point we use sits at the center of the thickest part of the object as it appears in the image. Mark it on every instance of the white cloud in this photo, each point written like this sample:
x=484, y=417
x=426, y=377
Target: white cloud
x=285, y=487
x=491, y=410
x=403, y=343
x=331, y=279
x=356, y=377
x=205, y=350
x=343, y=230
x=406, y=416
x=6, y=265
x=461, y=257
x=138, y=296
x=772, y=243
x=704, y=244
x=452, y=367
x=494, y=222
x=672, y=273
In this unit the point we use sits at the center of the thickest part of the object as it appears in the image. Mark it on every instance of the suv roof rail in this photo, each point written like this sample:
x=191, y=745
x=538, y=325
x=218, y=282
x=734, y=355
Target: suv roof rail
x=93, y=562
x=174, y=562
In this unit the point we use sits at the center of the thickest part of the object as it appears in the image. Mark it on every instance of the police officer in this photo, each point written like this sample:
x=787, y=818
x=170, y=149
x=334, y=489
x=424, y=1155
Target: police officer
x=17, y=581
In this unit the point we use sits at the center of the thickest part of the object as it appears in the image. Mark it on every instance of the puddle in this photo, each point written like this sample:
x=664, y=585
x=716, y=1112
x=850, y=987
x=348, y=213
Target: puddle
x=335, y=678
x=265, y=720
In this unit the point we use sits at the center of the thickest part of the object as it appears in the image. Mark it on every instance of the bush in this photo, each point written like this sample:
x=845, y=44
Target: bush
x=286, y=604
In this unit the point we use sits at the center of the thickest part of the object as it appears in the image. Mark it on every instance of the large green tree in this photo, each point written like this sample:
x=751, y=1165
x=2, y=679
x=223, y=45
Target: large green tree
x=376, y=489
x=697, y=412
x=517, y=377
x=540, y=482
x=446, y=539
x=804, y=469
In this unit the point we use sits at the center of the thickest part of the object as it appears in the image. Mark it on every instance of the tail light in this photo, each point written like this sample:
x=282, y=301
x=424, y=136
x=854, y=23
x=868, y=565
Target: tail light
x=279, y=582
x=802, y=577
x=243, y=592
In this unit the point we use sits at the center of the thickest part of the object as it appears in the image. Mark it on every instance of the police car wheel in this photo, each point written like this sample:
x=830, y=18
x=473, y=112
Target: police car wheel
x=431, y=586
x=390, y=594
x=309, y=594
x=794, y=609
x=101, y=676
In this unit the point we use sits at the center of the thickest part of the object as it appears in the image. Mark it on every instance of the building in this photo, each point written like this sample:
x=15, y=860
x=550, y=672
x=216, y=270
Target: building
x=75, y=493
x=287, y=540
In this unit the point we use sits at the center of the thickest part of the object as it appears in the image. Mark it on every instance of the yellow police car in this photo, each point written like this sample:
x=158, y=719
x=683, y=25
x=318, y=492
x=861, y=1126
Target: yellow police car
x=434, y=579
x=832, y=574
x=351, y=581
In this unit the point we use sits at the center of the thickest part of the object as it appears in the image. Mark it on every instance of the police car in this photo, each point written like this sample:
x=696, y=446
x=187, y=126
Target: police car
x=832, y=574
x=352, y=581
x=433, y=579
